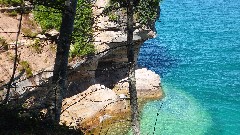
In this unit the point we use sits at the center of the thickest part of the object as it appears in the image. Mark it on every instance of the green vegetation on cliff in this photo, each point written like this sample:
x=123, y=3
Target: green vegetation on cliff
x=50, y=18
x=146, y=11
x=11, y=2
x=24, y=65
x=47, y=17
x=83, y=32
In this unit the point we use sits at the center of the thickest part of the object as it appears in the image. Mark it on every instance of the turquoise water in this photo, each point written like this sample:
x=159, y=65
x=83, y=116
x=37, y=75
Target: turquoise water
x=197, y=54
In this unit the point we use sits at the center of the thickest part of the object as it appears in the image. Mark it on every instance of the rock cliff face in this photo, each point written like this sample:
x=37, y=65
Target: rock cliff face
x=106, y=74
x=95, y=83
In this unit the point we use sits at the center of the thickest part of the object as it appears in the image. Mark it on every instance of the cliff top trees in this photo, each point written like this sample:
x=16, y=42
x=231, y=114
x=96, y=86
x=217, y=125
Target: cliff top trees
x=50, y=18
x=145, y=11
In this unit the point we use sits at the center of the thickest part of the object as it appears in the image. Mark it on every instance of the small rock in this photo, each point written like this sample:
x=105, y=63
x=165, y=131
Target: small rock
x=41, y=36
x=122, y=96
x=53, y=33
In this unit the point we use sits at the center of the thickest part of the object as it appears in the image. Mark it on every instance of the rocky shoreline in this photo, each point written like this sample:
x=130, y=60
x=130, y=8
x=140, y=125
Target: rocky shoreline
x=97, y=85
x=88, y=109
x=106, y=77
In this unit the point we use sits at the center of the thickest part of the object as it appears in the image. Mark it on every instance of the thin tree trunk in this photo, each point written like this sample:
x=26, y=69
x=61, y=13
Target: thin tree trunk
x=132, y=79
x=58, y=87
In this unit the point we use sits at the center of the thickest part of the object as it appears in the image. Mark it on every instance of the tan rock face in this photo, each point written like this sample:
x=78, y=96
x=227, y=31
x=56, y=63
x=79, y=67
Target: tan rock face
x=8, y=24
x=104, y=77
x=88, y=109
x=90, y=106
x=147, y=85
x=95, y=83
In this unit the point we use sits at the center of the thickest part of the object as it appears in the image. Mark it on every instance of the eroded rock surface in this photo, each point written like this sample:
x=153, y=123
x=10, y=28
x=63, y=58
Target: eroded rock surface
x=95, y=83
x=97, y=100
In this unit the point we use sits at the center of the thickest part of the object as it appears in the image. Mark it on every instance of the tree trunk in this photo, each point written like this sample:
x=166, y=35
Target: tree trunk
x=58, y=87
x=132, y=79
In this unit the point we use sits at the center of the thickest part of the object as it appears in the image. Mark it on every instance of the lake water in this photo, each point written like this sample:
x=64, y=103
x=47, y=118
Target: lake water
x=197, y=55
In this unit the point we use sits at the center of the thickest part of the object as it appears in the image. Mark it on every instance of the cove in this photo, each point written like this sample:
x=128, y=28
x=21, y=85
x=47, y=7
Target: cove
x=197, y=54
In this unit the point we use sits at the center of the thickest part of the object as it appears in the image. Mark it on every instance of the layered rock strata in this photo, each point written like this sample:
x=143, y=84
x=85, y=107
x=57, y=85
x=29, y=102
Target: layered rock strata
x=96, y=83
x=105, y=75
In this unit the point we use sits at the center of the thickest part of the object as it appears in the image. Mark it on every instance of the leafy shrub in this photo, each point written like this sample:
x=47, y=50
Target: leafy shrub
x=36, y=46
x=12, y=57
x=28, y=32
x=47, y=17
x=54, y=4
x=11, y=2
x=113, y=17
x=3, y=43
x=12, y=13
x=111, y=10
x=25, y=66
x=82, y=34
x=146, y=11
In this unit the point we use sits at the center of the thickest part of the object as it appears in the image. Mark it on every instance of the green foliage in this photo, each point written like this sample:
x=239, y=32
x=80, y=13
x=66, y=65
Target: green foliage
x=16, y=120
x=53, y=47
x=111, y=11
x=146, y=11
x=25, y=66
x=12, y=56
x=122, y=3
x=113, y=16
x=36, y=46
x=48, y=18
x=3, y=43
x=28, y=32
x=54, y=4
x=82, y=33
x=13, y=13
x=11, y=2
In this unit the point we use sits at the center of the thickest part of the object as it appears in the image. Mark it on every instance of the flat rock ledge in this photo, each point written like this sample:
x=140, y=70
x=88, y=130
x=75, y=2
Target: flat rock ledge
x=88, y=109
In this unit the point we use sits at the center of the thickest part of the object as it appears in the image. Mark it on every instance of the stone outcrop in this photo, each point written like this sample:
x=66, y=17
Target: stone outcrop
x=147, y=84
x=89, y=106
x=95, y=83
x=106, y=73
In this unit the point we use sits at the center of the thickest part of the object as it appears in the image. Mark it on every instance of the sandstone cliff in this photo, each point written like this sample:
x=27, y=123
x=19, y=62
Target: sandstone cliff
x=97, y=83
x=106, y=74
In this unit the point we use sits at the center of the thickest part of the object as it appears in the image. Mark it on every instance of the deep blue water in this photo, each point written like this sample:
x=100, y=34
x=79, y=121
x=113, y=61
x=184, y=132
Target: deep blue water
x=197, y=54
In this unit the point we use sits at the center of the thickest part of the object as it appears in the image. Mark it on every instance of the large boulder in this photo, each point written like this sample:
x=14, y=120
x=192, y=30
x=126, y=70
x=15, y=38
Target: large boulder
x=90, y=107
x=147, y=85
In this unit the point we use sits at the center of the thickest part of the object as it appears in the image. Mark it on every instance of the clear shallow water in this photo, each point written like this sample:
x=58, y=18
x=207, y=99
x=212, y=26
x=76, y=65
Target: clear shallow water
x=197, y=54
